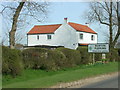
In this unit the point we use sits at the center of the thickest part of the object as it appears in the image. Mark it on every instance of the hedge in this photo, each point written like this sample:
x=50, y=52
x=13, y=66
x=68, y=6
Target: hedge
x=115, y=55
x=98, y=56
x=58, y=59
x=39, y=58
x=73, y=57
x=14, y=60
x=11, y=61
x=119, y=52
x=33, y=58
x=85, y=56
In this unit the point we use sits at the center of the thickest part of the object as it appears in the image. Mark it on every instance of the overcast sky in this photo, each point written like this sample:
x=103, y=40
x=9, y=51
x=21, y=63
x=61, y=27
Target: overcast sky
x=74, y=11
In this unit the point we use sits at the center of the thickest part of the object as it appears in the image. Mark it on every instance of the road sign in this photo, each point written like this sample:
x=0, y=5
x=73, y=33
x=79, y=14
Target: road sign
x=98, y=48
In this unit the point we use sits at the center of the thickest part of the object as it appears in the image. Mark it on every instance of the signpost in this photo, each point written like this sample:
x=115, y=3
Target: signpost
x=98, y=48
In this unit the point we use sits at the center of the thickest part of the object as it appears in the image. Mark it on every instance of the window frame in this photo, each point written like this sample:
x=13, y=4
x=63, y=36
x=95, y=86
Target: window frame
x=38, y=37
x=81, y=36
x=49, y=37
x=92, y=37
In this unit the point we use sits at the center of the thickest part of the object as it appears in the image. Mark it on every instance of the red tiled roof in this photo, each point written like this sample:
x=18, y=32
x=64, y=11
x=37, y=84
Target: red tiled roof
x=44, y=29
x=52, y=28
x=82, y=28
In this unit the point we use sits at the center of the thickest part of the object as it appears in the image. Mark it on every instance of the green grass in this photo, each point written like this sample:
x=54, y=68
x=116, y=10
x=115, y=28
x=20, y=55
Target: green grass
x=43, y=79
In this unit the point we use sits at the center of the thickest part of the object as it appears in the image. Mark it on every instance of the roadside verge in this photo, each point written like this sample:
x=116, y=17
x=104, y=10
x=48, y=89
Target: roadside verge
x=86, y=81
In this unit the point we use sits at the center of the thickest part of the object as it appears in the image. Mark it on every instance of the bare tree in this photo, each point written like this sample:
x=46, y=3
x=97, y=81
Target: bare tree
x=106, y=13
x=20, y=13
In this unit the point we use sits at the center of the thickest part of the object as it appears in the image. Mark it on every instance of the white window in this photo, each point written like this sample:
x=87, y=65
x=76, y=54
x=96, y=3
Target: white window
x=81, y=36
x=37, y=37
x=92, y=37
x=49, y=37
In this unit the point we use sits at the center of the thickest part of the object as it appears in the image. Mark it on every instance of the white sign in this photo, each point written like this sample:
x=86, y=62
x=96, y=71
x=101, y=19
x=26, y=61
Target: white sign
x=98, y=48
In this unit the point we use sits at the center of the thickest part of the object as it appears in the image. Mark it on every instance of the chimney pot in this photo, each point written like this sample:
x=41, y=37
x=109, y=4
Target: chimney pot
x=87, y=24
x=65, y=19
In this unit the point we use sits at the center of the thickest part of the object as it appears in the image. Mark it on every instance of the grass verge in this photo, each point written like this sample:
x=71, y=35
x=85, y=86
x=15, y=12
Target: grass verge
x=43, y=79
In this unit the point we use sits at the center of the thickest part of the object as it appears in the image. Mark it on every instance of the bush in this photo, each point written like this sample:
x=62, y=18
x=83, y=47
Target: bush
x=85, y=56
x=119, y=52
x=115, y=55
x=34, y=57
x=98, y=57
x=39, y=58
x=58, y=59
x=73, y=57
x=11, y=61
x=45, y=59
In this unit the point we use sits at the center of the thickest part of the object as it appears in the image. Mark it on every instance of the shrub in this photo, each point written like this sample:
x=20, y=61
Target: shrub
x=98, y=56
x=119, y=51
x=58, y=59
x=73, y=57
x=115, y=55
x=34, y=57
x=85, y=56
x=11, y=61
x=45, y=59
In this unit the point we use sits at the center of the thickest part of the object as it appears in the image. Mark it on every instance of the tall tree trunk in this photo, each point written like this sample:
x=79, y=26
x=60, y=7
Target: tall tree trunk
x=118, y=21
x=14, y=25
x=111, y=32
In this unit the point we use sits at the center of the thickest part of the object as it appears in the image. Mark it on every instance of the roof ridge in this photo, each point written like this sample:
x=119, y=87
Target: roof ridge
x=77, y=23
x=48, y=25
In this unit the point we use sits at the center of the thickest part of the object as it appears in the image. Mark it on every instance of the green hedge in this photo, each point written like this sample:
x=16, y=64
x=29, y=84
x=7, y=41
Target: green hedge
x=34, y=57
x=39, y=58
x=46, y=59
x=85, y=56
x=119, y=51
x=98, y=56
x=56, y=59
x=11, y=61
x=115, y=55
x=73, y=57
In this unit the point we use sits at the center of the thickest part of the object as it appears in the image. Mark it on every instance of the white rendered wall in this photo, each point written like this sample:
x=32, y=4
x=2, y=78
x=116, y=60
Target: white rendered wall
x=63, y=36
x=86, y=38
x=66, y=36
x=33, y=41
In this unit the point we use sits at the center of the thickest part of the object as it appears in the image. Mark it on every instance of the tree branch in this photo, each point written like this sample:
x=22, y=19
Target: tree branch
x=98, y=16
x=104, y=7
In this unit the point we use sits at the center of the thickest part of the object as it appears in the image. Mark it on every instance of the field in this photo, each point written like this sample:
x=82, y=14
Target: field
x=43, y=79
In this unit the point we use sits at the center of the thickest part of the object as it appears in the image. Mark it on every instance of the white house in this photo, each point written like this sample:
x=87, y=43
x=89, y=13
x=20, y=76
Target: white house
x=70, y=35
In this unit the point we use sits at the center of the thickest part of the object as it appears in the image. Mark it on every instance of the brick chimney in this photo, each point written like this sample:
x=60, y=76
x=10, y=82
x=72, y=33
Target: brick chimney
x=65, y=20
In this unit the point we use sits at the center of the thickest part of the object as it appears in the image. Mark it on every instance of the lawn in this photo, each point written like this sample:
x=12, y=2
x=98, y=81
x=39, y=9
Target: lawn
x=43, y=79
